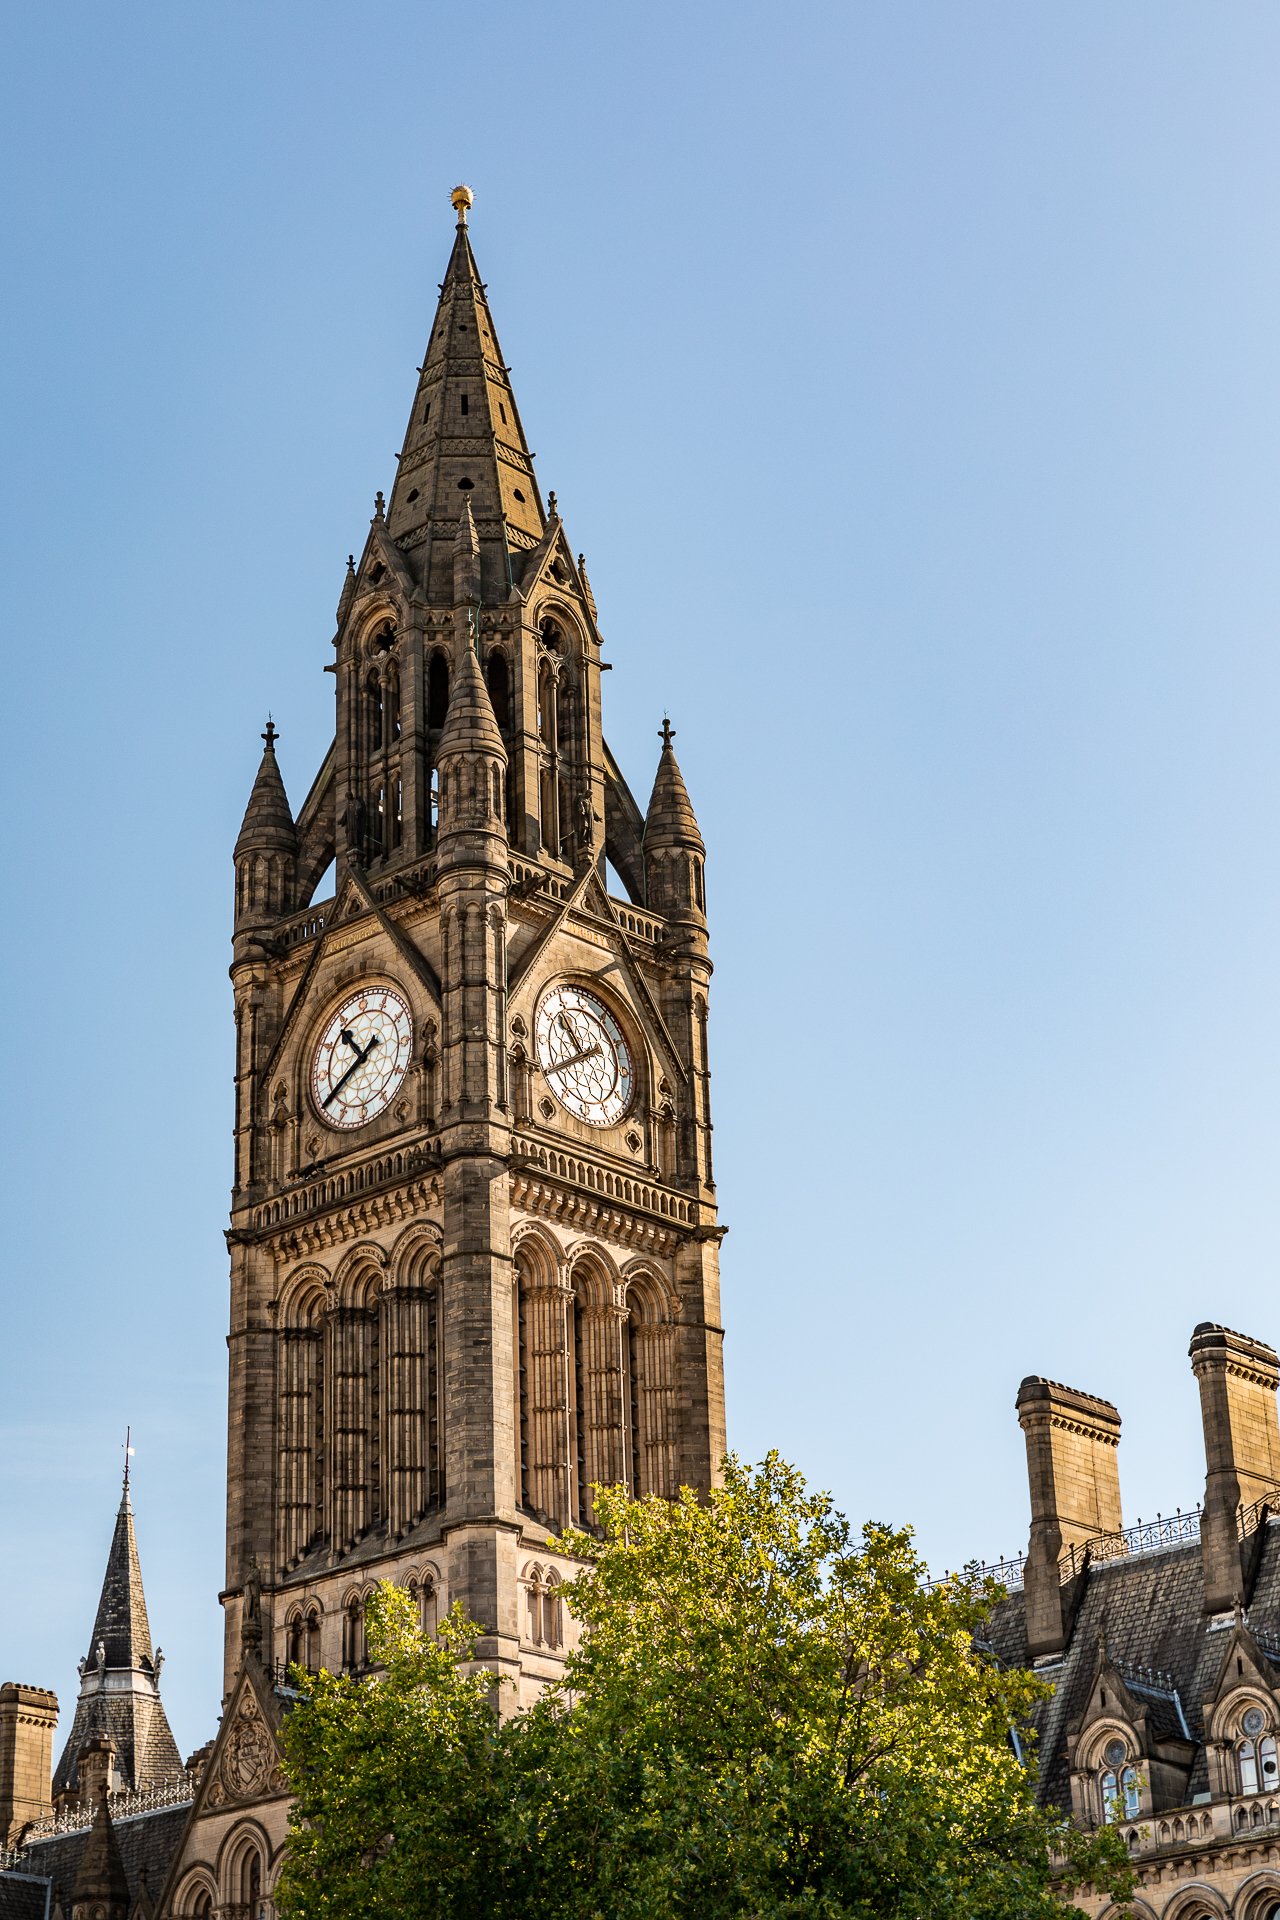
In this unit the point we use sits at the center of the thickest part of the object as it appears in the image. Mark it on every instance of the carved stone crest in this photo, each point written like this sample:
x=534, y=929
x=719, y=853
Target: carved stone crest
x=249, y=1755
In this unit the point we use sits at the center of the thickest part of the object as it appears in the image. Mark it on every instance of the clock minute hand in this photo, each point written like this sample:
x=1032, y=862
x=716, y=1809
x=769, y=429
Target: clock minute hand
x=359, y=1061
x=572, y=1059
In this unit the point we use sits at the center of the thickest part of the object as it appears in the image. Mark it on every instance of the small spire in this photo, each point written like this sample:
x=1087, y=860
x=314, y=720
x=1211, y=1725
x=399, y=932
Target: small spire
x=351, y=563
x=268, y=821
x=379, y=506
x=552, y=508
x=462, y=199
x=128, y=1450
x=670, y=820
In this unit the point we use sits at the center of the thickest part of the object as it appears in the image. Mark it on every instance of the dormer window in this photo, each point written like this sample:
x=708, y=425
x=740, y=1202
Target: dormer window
x=1257, y=1760
x=1121, y=1791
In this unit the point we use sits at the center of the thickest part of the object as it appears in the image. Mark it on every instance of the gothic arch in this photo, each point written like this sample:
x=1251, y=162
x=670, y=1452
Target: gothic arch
x=304, y=1296
x=1197, y=1901
x=415, y=1257
x=591, y=1270
x=359, y=1275
x=552, y=605
x=247, y=1840
x=1259, y=1897
x=1224, y=1720
x=196, y=1885
x=647, y=1291
x=383, y=608
x=537, y=1247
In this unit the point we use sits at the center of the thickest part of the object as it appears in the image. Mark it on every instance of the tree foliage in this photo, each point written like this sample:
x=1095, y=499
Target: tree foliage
x=766, y=1715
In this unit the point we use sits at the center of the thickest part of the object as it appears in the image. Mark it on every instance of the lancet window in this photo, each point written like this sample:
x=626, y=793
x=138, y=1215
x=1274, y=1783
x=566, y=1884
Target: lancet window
x=359, y=1402
x=595, y=1382
x=544, y=1608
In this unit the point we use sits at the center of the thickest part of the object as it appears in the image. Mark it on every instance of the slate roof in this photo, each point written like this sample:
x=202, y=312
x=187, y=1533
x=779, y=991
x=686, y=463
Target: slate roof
x=147, y=1843
x=1149, y=1611
x=22, y=1898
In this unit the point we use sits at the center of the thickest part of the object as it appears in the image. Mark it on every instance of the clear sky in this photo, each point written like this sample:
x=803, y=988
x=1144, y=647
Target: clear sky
x=909, y=374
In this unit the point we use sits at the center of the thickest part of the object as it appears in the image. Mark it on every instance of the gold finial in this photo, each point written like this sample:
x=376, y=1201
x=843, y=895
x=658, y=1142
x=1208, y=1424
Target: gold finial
x=462, y=198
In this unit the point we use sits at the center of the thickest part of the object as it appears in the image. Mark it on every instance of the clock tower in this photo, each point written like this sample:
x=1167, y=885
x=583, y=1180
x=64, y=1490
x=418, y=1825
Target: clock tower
x=473, y=1228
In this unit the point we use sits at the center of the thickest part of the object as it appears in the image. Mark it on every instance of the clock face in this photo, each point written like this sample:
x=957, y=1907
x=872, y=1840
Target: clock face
x=583, y=1056
x=361, y=1057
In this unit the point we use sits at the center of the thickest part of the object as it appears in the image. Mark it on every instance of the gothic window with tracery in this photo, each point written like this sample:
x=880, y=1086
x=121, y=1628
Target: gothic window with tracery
x=1121, y=1793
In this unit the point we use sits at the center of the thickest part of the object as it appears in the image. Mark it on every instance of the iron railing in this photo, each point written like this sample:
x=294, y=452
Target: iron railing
x=1125, y=1543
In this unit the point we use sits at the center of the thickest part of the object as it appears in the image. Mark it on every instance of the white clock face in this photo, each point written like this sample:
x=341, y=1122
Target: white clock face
x=583, y=1056
x=361, y=1057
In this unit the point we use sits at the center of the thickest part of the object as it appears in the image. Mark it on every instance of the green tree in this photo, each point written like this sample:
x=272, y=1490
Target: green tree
x=765, y=1716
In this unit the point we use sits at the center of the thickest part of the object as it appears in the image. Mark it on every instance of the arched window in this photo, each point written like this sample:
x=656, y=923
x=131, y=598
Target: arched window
x=373, y=711
x=552, y=1611
x=1131, y=1792
x=300, y=1423
x=1110, y=1798
x=312, y=1639
x=429, y=1603
x=295, y=1641
x=1247, y=1762
x=413, y=1441
x=437, y=691
x=541, y=1308
x=545, y=1608
x=391, y=705
x=498, y=676
x=1268, y=1763
x=650, y=1358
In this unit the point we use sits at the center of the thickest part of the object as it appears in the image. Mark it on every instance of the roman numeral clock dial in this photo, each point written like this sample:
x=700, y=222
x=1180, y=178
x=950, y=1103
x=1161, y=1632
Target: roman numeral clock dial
x=362, y=1057
x=584, y=1056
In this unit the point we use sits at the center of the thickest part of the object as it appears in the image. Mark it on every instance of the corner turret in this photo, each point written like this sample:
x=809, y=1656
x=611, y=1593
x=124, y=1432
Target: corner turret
x=101, y=1890
x=674, y=853
x=266, y=850
x=471, y=755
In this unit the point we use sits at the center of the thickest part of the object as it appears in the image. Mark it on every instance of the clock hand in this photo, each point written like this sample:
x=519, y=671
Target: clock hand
x=359, y=1061
x=573, y=1059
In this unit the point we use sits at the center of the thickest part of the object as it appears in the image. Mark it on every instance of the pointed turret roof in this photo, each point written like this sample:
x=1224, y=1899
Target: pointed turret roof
x=464, y=437
x=268, y=819
x=120, y=1626
x=470, y=724
x=671, y=821
x=119, y=1678
x=101, y=1880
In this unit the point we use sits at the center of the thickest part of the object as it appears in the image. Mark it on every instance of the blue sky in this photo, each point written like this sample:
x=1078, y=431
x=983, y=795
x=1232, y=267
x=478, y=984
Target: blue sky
x=908, y=374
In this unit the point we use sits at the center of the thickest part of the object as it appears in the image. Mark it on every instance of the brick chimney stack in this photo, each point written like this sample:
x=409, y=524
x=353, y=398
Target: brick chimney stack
x=1238, y=1379
x=1074, y=1474
x=28, y=1716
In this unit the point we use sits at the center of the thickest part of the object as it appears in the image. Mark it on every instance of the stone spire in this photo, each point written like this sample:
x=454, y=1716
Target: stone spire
x=101, y=1886
x=266, y=850
x=268, y=820
x=119, y=1680
x=671, y=821
x=673, y=850
x=464, y=438
x=471, y=755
